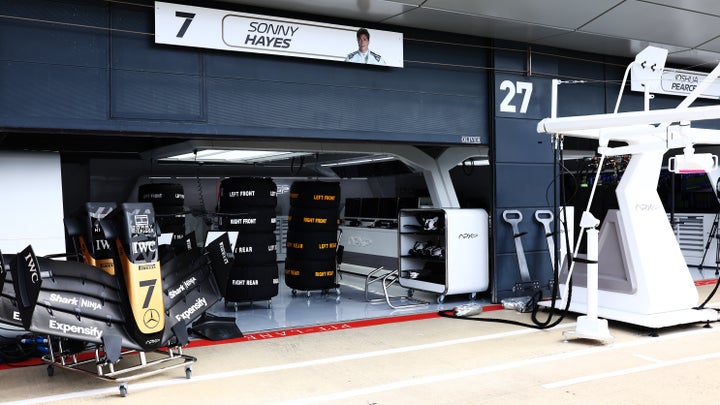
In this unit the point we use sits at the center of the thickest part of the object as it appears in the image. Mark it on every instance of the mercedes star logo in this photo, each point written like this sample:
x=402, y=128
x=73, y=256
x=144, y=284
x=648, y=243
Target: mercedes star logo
x=151, y=318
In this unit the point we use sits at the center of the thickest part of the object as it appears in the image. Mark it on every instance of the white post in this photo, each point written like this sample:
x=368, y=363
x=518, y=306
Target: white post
x=592, y=273
x=589, y=326
x=553, y=98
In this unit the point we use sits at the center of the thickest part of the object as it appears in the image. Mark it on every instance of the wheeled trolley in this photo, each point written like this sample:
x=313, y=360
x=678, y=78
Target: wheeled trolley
x=132, y=365
x=443, y=251
x=312, y=238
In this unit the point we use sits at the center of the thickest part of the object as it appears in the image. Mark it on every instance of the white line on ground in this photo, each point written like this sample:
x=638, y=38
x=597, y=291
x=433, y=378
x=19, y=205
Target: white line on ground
x=489, y=369
x=616, y=373
x=279, y=367
x=648, y=358
x=398, y=384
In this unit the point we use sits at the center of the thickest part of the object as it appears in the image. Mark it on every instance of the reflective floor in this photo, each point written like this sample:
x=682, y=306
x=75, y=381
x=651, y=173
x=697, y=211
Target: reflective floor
x=286, y=310
x=321, y=308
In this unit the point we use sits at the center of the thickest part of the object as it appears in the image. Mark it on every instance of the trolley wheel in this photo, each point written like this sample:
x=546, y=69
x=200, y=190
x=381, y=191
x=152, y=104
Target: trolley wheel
x=294, y=292
x=473, y=296
x=50, y=370
x=188, y=372
x=410, y=293
x=308, y=293
x=123, y=389
x=441, y=298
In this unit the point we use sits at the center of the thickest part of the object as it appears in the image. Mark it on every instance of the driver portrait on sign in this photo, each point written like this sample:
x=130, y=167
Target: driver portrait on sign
x=363, y=53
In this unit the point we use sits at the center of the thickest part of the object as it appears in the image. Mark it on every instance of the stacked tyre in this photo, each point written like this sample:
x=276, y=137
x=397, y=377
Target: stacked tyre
x=312, y=236
x=246, y=205
x=168, y=200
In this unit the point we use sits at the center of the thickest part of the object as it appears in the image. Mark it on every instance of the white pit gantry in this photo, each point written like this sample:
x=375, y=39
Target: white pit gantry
x=642, y=277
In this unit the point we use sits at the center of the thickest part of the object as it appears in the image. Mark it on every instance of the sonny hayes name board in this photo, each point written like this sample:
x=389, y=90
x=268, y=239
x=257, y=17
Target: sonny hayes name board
x=233, y=31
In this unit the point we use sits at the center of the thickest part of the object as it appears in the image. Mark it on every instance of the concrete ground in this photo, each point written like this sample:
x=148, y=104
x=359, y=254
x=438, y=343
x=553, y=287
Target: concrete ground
x=429, y=360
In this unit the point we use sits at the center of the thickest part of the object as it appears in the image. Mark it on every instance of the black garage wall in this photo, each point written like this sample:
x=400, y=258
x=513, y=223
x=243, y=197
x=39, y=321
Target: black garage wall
x=94, y=66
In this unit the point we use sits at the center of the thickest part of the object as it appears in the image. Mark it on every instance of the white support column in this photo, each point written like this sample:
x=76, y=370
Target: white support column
x=590, y=326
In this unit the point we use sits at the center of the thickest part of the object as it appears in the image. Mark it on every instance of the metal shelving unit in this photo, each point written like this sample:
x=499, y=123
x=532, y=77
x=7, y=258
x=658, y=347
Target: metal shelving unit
x=443, y=250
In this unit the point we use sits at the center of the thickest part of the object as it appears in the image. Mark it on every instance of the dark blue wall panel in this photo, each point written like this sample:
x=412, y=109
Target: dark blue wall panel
x=138, y=85
x=300, y=105
x=518, y=141
x=524, y=169
x=155, y=96
x=62, y=34
x=32, y=91
x=523, y=185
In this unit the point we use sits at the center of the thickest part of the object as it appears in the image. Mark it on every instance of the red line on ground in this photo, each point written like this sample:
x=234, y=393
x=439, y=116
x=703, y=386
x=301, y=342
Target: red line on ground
x=315, y=329
x=308, y=329
x=304, y=330
x=26, y=363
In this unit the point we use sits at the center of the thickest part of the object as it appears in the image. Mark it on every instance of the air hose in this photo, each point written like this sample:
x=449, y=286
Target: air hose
x=537, y=323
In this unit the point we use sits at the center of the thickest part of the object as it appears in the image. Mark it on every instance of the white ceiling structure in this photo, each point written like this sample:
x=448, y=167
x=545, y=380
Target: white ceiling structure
x=689, y=29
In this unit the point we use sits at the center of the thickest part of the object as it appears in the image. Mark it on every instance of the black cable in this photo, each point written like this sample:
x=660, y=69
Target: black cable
x=558, y=158
x=293, y=170
x=536, y=324
x=548, y=323
x=15, y=351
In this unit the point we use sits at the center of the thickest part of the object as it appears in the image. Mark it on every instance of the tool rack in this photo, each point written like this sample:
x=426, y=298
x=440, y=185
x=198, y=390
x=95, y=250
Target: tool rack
x=136, y=364
x=461, y=266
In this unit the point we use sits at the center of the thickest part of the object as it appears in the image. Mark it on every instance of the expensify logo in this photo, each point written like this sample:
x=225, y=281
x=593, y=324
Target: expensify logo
x=81, y=330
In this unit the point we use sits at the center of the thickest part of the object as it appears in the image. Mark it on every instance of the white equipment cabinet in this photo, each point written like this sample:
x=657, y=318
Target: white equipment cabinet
x=443, y=250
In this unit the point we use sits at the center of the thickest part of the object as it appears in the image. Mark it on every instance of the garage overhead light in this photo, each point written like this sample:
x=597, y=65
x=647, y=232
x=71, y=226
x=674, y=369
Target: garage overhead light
x=233, y=156
x=359, y=161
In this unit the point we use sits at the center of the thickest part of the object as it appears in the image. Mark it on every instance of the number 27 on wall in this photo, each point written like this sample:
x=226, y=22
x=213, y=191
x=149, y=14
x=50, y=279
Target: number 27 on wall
x=513, y=89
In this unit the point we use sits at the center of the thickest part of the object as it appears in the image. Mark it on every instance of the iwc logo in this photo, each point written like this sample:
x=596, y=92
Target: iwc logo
x=151, y=318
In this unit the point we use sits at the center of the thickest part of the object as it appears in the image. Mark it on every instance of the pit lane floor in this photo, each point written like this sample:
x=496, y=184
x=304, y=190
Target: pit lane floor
x=417, y=359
